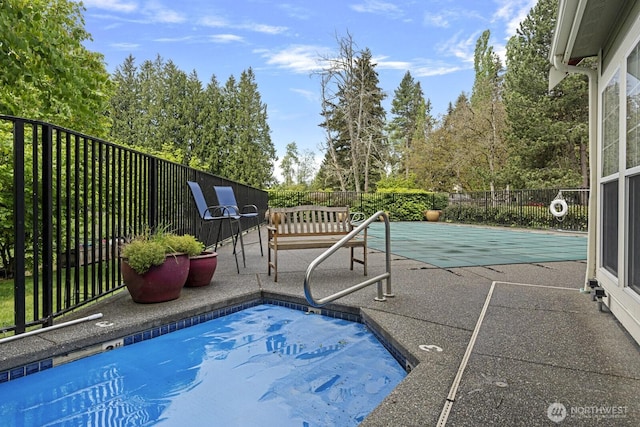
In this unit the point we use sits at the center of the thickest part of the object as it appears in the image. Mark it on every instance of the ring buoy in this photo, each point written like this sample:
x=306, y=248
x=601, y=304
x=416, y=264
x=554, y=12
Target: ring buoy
x=558, y=203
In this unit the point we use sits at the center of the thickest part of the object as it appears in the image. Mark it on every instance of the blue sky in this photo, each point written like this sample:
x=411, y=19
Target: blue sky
x=282, y=42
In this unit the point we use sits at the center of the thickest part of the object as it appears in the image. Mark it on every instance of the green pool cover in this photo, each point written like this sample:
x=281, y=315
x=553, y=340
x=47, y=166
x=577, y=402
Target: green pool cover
x=452, y=245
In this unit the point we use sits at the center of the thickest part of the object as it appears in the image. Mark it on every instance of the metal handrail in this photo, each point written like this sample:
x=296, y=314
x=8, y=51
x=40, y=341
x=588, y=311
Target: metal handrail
x=340, y=243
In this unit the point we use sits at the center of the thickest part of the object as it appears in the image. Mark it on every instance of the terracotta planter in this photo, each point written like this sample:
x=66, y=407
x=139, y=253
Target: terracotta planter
x=202, y=268
x=432, y=215
x=161, y=283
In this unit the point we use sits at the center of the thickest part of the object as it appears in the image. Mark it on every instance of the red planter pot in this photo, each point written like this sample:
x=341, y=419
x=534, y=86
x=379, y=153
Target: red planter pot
x=202, y=268
x=161, y=283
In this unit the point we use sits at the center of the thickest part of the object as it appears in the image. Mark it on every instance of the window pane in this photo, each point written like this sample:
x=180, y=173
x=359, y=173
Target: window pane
x=610, y=126
x=610, y=227
x=633, y=108
x=633, y=256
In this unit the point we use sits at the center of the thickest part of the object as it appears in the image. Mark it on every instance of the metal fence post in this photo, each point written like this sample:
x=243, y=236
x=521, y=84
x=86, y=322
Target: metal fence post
x=153, y=193
x=19, y=226
x=47, y=224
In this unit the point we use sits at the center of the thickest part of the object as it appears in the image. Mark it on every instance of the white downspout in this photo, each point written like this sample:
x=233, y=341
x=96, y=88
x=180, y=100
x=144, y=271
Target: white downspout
x=594, y=194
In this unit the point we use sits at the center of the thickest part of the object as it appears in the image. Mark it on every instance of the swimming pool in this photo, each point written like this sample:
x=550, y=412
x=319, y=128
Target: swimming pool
x=266, y=365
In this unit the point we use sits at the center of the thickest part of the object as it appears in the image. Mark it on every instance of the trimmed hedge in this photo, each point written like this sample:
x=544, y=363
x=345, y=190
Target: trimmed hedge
x=406, y=206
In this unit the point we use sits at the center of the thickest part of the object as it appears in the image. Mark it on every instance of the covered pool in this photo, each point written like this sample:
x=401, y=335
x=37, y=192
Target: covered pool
x=453, y=245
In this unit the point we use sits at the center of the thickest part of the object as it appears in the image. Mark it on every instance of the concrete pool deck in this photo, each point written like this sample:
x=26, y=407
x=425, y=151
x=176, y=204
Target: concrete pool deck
x=505, y=344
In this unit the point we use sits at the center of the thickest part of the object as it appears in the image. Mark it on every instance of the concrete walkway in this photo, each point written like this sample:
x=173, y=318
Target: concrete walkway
x=514, y=344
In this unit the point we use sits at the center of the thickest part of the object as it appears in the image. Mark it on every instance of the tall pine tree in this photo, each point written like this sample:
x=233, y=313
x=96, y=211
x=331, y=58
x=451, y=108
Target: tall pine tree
x=412, y=119
x=548, y=132
x=160, y=109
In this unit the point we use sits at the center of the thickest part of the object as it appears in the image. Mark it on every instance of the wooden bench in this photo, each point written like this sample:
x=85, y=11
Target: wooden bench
x=308, y=227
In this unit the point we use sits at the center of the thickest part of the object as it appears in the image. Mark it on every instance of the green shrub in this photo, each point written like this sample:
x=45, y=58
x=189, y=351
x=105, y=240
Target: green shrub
x=184, y=244
x=141, y=255
x=149, y=249
x=401, y=204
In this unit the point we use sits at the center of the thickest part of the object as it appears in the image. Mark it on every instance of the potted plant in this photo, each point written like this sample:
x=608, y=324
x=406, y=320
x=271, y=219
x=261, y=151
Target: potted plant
x=155, y=265
x=202, y=268
x=432, y=214
x=202, y=264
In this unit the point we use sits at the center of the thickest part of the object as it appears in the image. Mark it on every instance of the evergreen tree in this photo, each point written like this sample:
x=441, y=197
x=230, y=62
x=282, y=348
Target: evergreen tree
x=172, y=117
x=125, y=102
x=353, y=119
x=192, y=105
x=412, y=118
x=160, y=109
x=208, y=153
x=151, y=87
x=548, y=133
x=256, y=153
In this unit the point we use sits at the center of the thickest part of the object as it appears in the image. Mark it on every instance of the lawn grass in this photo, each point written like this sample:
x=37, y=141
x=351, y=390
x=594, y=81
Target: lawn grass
x=7, y=304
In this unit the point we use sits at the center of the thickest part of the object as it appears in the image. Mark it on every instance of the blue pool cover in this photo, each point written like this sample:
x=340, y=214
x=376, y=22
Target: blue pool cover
x=264, y=366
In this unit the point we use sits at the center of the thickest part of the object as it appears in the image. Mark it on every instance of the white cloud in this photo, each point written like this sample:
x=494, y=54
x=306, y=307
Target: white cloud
x=214, y=21
x=295, y=11
x=125, y=46
x=297, y=58
x=378, y=7
x=112, y=5
x=448, y=18
x=459, y=47
x=307, y=94
x=226, y=38
x=216, y=38
x=173, y=39
x=218, y=22
x=382, y=64
x=262, y=28
x=513, y=13
x=435, y=70
x=439, y=20
x=158, y=13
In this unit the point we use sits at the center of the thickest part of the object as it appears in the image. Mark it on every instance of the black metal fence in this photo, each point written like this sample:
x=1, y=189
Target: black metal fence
x=519, y=208
x=69, y=202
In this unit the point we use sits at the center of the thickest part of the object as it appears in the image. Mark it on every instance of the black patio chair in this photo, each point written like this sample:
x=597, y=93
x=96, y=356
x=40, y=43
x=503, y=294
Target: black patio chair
x=227, y=198
x=209, y=214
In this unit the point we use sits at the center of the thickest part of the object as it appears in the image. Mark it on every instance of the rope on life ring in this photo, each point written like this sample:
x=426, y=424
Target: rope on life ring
x=558, y=213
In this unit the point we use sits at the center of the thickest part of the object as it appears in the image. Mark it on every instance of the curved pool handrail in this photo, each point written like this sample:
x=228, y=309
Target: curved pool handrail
x=340, y=243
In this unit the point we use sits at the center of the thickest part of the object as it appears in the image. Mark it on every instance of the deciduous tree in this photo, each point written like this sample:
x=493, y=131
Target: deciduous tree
x=487, y=140
x=47, y=74
x=354, y=119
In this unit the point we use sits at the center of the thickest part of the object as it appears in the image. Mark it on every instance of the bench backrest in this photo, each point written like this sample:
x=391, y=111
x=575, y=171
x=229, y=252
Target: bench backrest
x=310, y=220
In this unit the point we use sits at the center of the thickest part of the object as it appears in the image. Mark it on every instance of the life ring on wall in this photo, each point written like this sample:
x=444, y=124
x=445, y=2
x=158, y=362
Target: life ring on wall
x=558, y=213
